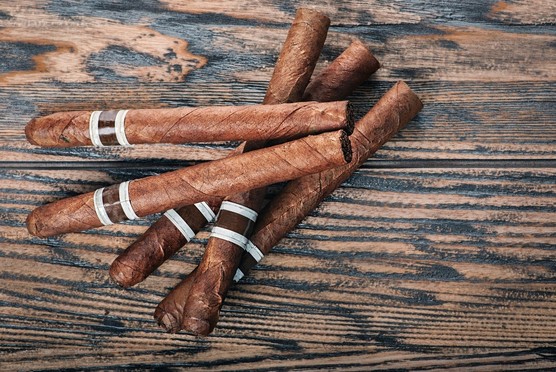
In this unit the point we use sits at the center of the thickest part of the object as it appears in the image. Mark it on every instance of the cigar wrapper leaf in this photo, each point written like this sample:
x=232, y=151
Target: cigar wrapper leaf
x=187, y=124
x=206, y=181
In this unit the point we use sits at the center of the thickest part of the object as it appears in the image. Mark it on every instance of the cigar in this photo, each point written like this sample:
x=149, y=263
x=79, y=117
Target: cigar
x=170, y=232
x=206, y=181
x=186, y=124
x=299, y=197
x=298, y=57
x=347, y=71
x=238, y=212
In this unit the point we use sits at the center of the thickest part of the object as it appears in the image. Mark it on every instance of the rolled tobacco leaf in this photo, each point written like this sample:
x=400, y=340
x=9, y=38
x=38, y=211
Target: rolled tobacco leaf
x=186, y=124
x=392, y=112
x=206, y=181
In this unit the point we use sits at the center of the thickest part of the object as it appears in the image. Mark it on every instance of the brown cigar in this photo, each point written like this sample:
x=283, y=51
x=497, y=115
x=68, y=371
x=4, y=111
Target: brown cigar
x=298, y=57
x=394, y=110
x=165, y=236
x=343, y=75
x=238, y=212
x=350, y=69
x=205, y=181
x=186, y=124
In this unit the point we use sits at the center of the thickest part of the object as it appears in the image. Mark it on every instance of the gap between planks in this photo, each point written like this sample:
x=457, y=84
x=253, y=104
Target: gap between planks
x=166, y=165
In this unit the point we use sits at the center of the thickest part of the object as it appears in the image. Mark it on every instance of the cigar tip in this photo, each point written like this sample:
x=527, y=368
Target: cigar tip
x=310, y=12
x=365, y=52
x=122, y=274
x=166, y=320
x=358, y=47
x=414, y=97
x=346, y=146
x=199, y=327
x=30, y=129
x=32, y=224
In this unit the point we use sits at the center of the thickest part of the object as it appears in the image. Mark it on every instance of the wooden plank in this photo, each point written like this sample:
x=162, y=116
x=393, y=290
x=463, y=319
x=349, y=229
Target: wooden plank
x=535, y=12
x=450, y=66
x=402, y=268
x=413, y=268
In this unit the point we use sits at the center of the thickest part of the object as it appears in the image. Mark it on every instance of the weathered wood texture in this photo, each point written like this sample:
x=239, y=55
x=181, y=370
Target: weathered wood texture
x=430, y=265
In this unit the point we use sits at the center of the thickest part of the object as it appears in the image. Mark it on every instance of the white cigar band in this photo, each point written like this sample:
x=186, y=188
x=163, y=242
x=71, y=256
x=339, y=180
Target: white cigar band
x=254, y=251
x=93, y=129
x=229, y=235
x=99, y=208
x=242, y=210
x=125, y=202
x=119, y=127
x=206, y=211
x=180, y=224
x=238, y=275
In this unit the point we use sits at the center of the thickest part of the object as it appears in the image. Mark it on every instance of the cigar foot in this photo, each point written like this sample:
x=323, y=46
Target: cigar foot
x=33, y=225
x=167, y=321
x=124, y=275
x=30, y=129
x=199, y=327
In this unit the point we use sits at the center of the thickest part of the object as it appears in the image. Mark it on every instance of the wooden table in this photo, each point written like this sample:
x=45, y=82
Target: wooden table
x=438, y=253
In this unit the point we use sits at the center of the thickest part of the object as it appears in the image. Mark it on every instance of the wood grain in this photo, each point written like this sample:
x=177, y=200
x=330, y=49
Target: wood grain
x=450, y=263
x=73, y=41
x=416, y=262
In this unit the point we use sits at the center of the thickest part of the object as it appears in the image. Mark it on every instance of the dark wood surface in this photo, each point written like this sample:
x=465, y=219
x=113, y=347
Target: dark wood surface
x=439, y=253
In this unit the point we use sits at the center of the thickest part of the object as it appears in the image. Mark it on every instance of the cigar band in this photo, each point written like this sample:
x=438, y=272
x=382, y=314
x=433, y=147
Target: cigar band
x=119, y=127
x=93, y=129
x=206, y=211
x=180, y=224
x=99, y=208
x=229, y=236
x=125, y=202
x=107, y=128
x=239, y=209
x=239, y=274
x=254, y=251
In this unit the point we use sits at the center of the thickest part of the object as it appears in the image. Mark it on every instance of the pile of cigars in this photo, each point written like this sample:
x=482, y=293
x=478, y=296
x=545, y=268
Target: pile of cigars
x=302, y=133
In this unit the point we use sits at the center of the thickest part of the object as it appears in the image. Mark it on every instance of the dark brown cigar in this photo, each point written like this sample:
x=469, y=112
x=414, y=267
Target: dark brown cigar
x=206, y=181
x=392, y=113
x=186, y=124
x=349, y=70
x=238, y=212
